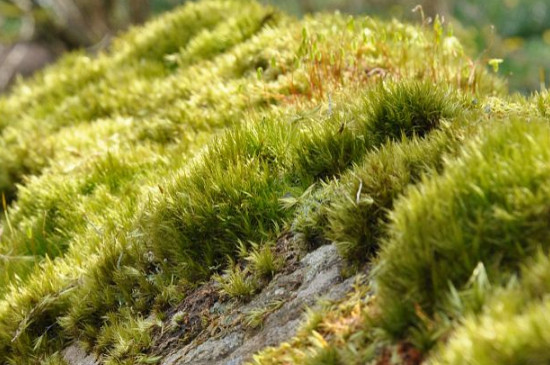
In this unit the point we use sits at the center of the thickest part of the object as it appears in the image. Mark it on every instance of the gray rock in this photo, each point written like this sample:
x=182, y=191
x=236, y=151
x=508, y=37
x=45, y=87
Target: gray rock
x=74, y=355
x=214, y=349
x=317, y=275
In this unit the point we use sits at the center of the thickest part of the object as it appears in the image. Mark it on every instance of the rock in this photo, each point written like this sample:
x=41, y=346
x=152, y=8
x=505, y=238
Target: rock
x=213, y=330
x=317, y=274
x=208, y=351
x=74, y=355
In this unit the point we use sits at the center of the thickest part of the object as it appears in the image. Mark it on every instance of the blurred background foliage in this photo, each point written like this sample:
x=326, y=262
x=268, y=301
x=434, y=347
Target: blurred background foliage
x=73, y=23
x=518, y=31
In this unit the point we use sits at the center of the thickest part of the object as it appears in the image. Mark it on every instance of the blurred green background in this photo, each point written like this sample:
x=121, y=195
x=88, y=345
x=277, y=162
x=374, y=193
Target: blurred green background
x=518, y=31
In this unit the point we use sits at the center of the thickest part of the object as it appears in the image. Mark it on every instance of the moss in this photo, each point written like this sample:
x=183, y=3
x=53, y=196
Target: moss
x=489, y=206
x=511, y=328
x=132, y=176
x=330, y=333
x=358, y=212
x=408, y=109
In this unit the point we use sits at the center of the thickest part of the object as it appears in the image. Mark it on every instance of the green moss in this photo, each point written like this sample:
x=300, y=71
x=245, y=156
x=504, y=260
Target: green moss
x=330, y=333
x=131, y=176
x=310, y=215
x=358, y=212
x=54, y=359
x=489, y=206
x=236, y=283
x=330, y=146
x=409, y=109
x=125, y=337
x=125, y=82
x=263, y=262
x=512, y=327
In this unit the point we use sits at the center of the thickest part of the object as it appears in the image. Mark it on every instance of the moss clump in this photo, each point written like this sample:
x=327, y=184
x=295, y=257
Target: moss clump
x=131, y=177
x=489, y=206
x=366, y=194
x=511, y=327
x=409, y=109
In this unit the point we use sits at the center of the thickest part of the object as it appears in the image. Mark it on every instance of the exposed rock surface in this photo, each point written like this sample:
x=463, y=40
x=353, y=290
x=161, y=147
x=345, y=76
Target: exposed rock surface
x=318, y=274
x=208, y=329
x=75, y=355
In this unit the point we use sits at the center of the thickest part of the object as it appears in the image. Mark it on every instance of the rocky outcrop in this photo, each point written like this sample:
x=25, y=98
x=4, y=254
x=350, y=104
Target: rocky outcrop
x=209, y=329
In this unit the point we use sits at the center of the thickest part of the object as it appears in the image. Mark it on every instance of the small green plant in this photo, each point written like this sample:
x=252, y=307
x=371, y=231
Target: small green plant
x=331, y=333
x=324, y=355
x=236, y=282
x=263, y=262
x=310, y=216
x=54, y=359
x=313, y=318
x=494, y=63
x=123, y=338
x=255, y=317
x=177, y=319
x=329, y=147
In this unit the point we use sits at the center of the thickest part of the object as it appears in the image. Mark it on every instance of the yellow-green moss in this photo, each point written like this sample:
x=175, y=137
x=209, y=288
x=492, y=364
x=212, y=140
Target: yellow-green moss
x=132, y=175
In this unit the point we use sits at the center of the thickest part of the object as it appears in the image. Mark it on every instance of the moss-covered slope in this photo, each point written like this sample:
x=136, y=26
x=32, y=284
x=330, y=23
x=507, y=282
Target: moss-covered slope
x=190, y=146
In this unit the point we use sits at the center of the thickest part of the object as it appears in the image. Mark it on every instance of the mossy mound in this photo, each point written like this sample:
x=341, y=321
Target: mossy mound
x=131, y=177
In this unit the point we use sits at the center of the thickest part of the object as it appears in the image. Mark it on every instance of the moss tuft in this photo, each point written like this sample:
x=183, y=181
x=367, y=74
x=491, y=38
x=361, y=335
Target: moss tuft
x=489, y=206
